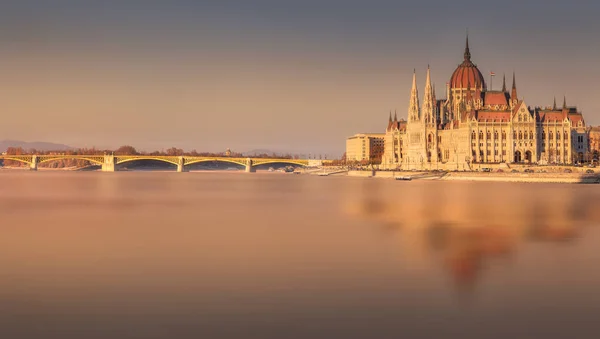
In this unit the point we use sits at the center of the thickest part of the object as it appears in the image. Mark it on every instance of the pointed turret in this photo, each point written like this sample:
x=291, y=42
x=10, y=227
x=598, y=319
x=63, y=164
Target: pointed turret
x=565, y=102
x=467, y=51
x=413, y=106
x=390, y=117
x=513, y=94
x=395, y=116
x=554, y=105
x=428, y=100
x=448, y=106
x=504, y=83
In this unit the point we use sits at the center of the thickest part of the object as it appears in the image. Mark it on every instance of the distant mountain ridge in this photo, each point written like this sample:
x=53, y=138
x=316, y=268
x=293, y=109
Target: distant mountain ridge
x=38, y=145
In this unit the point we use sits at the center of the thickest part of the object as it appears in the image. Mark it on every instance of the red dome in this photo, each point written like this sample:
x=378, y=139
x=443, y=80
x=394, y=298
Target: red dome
x=467, y=74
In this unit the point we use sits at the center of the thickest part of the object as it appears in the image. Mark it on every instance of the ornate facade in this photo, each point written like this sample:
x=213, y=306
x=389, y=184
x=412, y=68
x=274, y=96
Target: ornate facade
x=476, y=125
x=594, y=137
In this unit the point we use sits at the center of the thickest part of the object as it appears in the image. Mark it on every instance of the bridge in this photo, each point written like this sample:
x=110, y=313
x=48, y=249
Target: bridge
x=108, y=162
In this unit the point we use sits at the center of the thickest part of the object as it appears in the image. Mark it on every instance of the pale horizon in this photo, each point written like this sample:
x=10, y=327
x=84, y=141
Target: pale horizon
x=296, y=78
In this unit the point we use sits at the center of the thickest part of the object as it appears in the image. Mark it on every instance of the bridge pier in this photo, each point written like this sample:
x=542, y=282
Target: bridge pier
x=249, y=168
x=181, y=165
x=109, y=163
x=34, y=163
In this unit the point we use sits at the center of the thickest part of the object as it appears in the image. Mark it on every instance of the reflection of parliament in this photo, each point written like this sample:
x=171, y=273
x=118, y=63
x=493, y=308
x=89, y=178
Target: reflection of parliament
x=474, y=125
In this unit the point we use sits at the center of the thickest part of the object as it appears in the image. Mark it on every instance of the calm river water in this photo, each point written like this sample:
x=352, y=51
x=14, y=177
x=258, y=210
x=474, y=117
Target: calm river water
x=273, y=255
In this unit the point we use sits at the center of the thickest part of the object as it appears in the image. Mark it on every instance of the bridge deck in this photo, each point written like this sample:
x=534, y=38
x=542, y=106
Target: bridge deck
x=109, y=161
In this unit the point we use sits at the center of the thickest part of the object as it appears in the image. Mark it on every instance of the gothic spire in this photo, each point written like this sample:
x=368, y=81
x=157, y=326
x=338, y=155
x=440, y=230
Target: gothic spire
x=565, y=102
x=428, y=99
x=504, y=83
x=513, y=94
x=413, y=107
x=554, y=105
x=395, y=116
x=514, y=86
x=390, y=116
x=467, y=52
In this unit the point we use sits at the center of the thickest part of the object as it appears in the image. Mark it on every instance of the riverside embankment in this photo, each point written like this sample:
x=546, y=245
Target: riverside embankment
x=570, y=178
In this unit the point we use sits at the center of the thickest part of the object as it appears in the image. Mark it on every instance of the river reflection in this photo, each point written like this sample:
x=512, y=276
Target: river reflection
x=468, y=225
x=271, y=255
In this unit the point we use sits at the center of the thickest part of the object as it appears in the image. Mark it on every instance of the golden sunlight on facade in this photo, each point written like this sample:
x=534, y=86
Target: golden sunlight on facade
x=477, y=125
x=365, y=147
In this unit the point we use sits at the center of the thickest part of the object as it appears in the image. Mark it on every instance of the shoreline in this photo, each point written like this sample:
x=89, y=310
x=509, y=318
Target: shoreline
x=565, y=178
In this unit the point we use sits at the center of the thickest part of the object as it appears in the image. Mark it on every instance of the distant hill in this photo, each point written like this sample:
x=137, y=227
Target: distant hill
x=38, y=145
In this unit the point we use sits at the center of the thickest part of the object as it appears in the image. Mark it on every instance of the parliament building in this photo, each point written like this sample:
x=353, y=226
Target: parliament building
x=474, y=125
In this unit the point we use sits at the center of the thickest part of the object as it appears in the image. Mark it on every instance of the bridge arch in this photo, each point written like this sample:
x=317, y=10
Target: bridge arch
x=16, y=158
x=257, y=162
x=122, y=160
x=231, y=161
x=96, y=161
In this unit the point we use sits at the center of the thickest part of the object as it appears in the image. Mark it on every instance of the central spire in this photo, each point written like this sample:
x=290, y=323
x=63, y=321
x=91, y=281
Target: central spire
x=467, y=52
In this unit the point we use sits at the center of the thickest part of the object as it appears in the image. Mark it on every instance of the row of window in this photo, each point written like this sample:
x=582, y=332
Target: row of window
x=488, y=144
x=488, y=135
x=523, y=135
x=489, y=152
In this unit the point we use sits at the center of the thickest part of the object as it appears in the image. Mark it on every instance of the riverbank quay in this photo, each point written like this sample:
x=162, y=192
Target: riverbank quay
x=562, y=178
x=566, y=178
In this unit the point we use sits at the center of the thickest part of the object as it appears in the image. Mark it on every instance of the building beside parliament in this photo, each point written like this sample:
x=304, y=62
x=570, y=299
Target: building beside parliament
x=365, y=147
x=476, y=125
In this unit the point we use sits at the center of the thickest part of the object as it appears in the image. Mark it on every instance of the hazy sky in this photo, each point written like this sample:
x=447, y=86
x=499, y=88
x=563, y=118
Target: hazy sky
x=282, y=75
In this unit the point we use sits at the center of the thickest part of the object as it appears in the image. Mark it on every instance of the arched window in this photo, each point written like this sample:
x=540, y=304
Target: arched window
x=495, y=134
x=480, y=135
x=531, y=135
x=525, y=135
x=566, y=135
x=543, y=134
x=520, y=135
x=514, y=134
x=520, y=118
x=503, y=135
x=557, y=136
x=473, y=135
x=488, y=135
x=429, y=138
x=550, y=135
